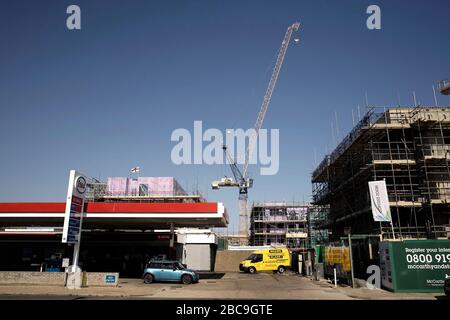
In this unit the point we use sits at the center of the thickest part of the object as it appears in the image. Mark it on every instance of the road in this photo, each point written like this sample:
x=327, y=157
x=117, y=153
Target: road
x=230, y=286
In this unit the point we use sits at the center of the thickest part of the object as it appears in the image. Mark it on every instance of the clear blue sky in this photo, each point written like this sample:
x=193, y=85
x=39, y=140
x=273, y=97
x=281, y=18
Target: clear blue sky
x=106, y=98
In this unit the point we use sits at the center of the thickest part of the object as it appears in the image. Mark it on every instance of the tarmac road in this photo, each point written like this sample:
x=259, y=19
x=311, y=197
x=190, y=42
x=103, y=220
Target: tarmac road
x=232, y=285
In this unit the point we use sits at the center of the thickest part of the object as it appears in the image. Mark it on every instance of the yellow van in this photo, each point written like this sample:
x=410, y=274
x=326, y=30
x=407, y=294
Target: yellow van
x=271, y=259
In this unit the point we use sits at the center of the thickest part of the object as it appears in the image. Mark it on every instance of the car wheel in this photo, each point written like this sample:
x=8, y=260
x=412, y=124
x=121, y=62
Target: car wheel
x=186, y=279
x=252, y=270
x=281, y=269
x=148, y=278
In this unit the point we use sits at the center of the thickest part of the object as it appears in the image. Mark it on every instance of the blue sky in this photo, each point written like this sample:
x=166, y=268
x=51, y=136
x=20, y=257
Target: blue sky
x=107, y=97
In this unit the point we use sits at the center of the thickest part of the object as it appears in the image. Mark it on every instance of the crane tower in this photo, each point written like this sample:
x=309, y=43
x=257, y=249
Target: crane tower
x=240, y=177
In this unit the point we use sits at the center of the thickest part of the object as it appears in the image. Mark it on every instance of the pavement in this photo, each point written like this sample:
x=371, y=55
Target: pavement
x=232, y=285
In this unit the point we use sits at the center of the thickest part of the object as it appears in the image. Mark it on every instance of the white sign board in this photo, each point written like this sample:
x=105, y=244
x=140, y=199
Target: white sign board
x=65, y=262
x=380, y=201
x=73, y=218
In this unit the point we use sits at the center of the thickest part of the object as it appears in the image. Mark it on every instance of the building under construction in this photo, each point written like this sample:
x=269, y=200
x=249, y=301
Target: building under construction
x=279, y=223
x=409, y=148
x=141, y=189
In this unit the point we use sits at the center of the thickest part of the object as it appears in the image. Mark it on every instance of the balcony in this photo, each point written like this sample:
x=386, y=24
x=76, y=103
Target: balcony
x=437, y=151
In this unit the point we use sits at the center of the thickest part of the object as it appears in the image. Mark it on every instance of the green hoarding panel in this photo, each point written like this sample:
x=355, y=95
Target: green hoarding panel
x=319, y=258
x=222, y=244
x=415, y=265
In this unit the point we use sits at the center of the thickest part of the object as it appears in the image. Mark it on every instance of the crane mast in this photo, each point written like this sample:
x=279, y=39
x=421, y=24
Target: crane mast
x=241, y=181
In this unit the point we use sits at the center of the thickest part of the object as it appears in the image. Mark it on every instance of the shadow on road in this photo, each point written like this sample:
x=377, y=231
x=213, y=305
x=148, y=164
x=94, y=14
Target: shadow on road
x=211, y=275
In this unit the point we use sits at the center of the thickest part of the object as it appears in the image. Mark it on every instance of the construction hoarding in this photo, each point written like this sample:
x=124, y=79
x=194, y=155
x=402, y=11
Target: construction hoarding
x=414, y=265
x=337, y=258
x=144, y=186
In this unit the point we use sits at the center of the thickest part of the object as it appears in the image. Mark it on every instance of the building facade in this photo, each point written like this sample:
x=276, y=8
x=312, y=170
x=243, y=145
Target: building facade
x=409, y=148
x=121, y=231
x=280, y=223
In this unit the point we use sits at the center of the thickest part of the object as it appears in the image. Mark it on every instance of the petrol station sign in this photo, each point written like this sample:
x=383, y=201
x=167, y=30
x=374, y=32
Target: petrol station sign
x=73, y=218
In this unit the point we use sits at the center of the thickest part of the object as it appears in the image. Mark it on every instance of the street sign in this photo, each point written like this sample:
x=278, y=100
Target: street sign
x=74, y=208
x=110, y=278
x=65, y=263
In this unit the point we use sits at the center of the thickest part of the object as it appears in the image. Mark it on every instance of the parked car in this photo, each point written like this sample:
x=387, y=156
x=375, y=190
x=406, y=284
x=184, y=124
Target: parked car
x=447, y=286
x=167, y=270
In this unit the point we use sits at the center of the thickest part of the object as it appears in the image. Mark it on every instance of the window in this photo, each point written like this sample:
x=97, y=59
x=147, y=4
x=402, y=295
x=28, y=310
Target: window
x=255, y=257
x=143, y=190
x=155, y=265
x=167, y=266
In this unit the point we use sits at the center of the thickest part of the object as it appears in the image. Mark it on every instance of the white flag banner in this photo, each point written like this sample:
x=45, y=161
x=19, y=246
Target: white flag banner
x=380, y=201
x=135, y=169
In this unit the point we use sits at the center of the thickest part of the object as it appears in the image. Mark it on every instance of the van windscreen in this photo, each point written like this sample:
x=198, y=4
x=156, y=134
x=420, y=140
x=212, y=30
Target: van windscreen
x=255, y=257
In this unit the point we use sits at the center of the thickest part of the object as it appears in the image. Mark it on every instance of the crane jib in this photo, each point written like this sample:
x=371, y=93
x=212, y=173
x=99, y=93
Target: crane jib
x=240, y=177
x=268, y=95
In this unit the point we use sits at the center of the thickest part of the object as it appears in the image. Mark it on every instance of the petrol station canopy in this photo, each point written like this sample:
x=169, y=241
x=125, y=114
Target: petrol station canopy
x=117, y=215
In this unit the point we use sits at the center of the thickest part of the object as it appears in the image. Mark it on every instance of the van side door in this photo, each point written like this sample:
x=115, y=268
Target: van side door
x=258, y=261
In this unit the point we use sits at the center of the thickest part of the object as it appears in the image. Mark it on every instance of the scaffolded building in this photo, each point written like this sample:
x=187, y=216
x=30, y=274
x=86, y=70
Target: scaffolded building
x=409, y=148
x=142, y=189
x=317, y=233
x=279, y=223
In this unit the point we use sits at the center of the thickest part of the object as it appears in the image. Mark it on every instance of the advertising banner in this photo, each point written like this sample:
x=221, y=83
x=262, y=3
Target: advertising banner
x=379, y=201
x=73, y=218
x=337, y=258
x=415, y=265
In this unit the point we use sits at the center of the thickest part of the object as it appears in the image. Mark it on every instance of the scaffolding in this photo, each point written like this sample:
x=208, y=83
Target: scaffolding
x=409, y=149
x=280, y=223
x=316, y=217
x=98, y=191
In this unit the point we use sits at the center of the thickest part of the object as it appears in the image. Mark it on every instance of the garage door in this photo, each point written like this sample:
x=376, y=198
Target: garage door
x=198, y=256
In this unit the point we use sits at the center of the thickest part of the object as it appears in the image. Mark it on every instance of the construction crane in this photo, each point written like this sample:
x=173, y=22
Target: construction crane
x=240, y=177
x=444, y=86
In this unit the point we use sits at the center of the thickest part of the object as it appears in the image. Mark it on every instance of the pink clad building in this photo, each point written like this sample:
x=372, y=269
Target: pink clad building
x=144, y=186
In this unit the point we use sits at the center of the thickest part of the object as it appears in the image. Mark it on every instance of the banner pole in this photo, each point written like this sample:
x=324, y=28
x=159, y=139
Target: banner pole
x=392, y=226
x=381, y=232
x=351, y=259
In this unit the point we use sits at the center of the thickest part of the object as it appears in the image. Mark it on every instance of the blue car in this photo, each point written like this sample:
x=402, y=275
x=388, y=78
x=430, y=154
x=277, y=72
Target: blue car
x=166, y=270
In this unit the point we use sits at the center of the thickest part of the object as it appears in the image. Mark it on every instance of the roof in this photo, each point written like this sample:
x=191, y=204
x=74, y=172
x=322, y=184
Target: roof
x=141, y=215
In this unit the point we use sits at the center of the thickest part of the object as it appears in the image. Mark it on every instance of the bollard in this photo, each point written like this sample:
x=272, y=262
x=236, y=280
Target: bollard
x=335, y=278
x=84, y=281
